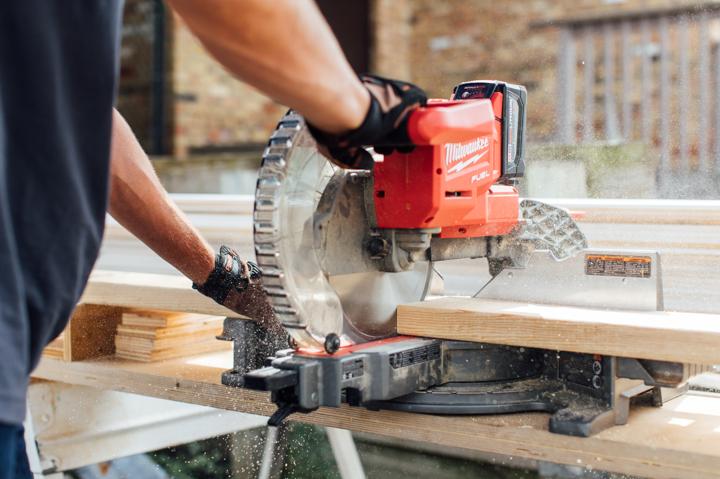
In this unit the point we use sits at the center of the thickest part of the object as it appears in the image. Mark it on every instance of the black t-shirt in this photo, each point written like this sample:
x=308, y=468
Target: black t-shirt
x=58, y=64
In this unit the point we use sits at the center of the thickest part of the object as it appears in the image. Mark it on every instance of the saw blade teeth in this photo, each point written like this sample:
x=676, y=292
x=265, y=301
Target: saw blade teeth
x=272, y=283
x=271, y=274
x=281, y=137
x=276, y=292
x=270, y=260
x=266, y=223
x=293, y=325
x=268, y=185
x=290, y=123
x=274, y=163
x=264, y=248
x=265, y=241
x=266, y=228
x=264, y=218
x=265, y=204
x=285, y=311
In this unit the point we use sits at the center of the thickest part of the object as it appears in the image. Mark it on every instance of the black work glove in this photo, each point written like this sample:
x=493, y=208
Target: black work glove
x=384, y=127
x=237, y=285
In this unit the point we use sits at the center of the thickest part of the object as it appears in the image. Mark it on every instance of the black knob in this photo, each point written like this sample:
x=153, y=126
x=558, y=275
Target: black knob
x=332, y=343
x=378, y=247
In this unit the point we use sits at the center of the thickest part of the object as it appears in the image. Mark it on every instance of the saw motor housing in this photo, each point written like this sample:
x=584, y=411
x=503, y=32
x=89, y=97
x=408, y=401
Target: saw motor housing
x=458, y=179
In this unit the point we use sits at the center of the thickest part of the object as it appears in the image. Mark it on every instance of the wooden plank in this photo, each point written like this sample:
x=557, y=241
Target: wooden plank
x=148, y=291
x=91, y=332
x=655, y=212
x=681, y=337
x=176, y=336
x=56, y=348
x=681, y=439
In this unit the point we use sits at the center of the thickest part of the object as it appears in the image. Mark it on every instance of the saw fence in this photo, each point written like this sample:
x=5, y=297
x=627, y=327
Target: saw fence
x=679, y=440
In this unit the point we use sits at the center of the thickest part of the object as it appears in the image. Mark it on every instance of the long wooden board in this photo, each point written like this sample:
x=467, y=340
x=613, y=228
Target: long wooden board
x=682, y=337
x=148, y=291
x=679, y=440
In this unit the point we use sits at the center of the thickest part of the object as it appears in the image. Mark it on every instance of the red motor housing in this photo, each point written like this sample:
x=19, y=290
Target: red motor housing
x=450, y=179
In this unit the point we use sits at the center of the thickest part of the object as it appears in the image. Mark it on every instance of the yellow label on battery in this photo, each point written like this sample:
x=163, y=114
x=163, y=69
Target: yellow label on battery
x=618, y=265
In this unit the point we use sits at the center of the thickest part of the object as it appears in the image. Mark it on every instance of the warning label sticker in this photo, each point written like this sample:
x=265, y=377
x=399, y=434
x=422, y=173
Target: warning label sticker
x=618, y=265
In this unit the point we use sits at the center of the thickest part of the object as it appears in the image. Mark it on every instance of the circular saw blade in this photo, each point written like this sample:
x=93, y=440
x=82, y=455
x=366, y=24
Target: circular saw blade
x=370, y=300
x=310, y=223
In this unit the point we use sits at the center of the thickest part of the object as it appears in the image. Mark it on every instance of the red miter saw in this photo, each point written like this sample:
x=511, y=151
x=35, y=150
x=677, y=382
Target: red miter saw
x=340, y=249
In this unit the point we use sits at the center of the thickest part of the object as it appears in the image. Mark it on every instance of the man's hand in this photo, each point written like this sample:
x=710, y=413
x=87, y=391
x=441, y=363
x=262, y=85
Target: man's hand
x=237, y=285
x=385, y=124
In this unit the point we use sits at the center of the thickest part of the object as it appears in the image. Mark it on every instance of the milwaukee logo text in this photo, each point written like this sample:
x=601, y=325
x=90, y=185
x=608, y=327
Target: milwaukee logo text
x=457, y=151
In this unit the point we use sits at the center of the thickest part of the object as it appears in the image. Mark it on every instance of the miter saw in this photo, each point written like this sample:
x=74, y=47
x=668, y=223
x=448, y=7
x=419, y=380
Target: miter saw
x=341, y=249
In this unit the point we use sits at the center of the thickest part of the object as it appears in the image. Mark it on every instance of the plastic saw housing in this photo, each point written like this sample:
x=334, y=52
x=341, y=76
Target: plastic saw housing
x=459, y=176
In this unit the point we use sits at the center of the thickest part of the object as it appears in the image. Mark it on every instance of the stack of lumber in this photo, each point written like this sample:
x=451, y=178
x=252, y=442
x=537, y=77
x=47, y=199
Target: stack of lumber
x=56, y=348
x=157, y=335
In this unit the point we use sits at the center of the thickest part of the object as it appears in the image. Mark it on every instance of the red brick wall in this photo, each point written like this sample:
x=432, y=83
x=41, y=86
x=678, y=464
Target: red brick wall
x=433, y=43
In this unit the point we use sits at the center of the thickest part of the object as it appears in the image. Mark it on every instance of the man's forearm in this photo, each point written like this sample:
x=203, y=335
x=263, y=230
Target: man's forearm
x=140, y=203
x=286, y=49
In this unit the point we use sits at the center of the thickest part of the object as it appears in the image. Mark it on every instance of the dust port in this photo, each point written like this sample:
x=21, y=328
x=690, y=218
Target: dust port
x=439, y=171
x=462, y=231
x=380, y=194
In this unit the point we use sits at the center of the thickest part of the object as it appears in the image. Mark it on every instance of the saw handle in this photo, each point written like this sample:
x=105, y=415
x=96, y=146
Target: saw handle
x=451, y=121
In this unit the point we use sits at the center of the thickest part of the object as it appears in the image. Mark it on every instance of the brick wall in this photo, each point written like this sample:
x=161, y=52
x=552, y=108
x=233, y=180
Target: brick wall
x=211, y=108
x=459, y=40
x=433, y=43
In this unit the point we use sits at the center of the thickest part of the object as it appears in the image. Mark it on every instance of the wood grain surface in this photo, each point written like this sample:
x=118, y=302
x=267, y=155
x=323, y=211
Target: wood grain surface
x=682, y=337
x=148, y=291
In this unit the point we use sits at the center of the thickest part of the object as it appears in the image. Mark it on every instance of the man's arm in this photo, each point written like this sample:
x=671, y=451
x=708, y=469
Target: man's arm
x=139, y=203
x=286, y=49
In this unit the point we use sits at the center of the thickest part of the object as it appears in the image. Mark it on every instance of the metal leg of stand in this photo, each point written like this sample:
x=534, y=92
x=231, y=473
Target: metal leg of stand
x=40, y=467
x=345, y=452
x=273, y=456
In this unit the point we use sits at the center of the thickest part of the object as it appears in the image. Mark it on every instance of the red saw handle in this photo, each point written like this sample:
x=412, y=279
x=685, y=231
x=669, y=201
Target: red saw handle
x=448, y=121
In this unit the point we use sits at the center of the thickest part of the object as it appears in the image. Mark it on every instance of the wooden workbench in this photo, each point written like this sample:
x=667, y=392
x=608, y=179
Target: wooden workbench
x=679, y=440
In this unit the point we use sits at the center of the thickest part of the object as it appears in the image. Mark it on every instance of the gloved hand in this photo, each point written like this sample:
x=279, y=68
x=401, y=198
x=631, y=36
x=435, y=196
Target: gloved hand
x=385, y=125
x=237, y=285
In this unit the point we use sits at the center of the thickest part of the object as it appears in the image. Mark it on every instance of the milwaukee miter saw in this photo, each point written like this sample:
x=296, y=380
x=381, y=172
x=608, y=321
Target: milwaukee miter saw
x=341, y=249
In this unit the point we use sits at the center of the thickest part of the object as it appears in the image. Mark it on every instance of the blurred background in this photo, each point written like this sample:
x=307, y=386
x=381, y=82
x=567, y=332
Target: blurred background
x=622, y=100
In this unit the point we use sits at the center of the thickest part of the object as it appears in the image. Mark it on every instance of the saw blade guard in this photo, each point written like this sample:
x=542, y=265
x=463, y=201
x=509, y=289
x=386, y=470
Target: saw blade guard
x=311, y=223
x=292, y=274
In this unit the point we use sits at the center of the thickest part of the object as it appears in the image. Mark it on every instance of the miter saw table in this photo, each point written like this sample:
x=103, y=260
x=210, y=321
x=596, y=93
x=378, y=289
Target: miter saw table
x=342, y=249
